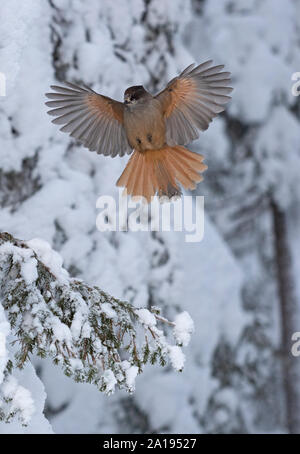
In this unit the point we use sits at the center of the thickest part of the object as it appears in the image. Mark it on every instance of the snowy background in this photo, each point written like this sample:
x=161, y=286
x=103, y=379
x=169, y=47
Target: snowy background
x=240, y=283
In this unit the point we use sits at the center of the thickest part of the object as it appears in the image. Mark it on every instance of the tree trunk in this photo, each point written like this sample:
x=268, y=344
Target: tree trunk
x=290, y=322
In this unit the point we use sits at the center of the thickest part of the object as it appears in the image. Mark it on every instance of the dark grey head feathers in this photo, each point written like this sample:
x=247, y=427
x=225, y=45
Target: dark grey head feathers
x=133, y=94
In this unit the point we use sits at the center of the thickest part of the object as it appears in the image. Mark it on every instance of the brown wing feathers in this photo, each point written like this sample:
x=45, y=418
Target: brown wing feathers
x=93, y=119
x=193, y=99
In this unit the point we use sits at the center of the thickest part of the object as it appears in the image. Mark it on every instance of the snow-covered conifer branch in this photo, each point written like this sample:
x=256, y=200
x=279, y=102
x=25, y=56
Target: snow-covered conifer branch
x=93, y=336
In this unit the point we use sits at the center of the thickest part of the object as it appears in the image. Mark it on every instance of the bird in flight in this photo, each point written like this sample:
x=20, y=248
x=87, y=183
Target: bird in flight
x=154, y=128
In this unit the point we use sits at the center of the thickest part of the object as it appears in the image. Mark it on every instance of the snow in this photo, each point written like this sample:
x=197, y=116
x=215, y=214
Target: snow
x=49, y=257
x=164, y=411
x=177, y=357
x=108, y=310
x=15, y=25
x=23, y=387
x=25, y=256
x=29, y=271
x=77, y=325
x=4, y=331
x=131, y=265
x=184, y=327
x=110, y=380
x=107, y=45
x=131, y=373
x=2, y=346
x=68, y=194
x=61, y=331
x=27, y=380
x=20, y=398
x=280, y=133
x=247, y=42
x=146, y=317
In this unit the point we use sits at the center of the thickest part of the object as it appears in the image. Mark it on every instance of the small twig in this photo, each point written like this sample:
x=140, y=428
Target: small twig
x=164, y=320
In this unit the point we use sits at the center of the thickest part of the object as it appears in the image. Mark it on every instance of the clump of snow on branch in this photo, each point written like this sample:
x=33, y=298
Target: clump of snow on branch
x=15, y=399
x=94, y=337
x=184, y=327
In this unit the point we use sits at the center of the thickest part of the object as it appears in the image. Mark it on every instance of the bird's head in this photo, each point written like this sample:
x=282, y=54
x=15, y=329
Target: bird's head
x=135, y=94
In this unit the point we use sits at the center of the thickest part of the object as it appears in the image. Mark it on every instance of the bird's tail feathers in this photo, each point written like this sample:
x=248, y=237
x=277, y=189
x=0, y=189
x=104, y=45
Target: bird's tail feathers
x=161, y=171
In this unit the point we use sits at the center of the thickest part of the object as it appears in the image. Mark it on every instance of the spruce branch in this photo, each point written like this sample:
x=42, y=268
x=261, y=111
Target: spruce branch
x=93, y=336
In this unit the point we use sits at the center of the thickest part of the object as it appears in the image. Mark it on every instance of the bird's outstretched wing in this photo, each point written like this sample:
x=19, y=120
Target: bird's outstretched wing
x=191, y=100
x=93, y=119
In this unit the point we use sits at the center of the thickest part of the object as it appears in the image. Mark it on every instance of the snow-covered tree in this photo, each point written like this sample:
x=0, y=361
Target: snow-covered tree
x=254, y=185
x=91, y=335
x=49, y=186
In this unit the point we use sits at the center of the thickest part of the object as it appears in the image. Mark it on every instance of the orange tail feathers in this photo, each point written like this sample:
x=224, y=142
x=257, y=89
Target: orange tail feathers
x=161, y=171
